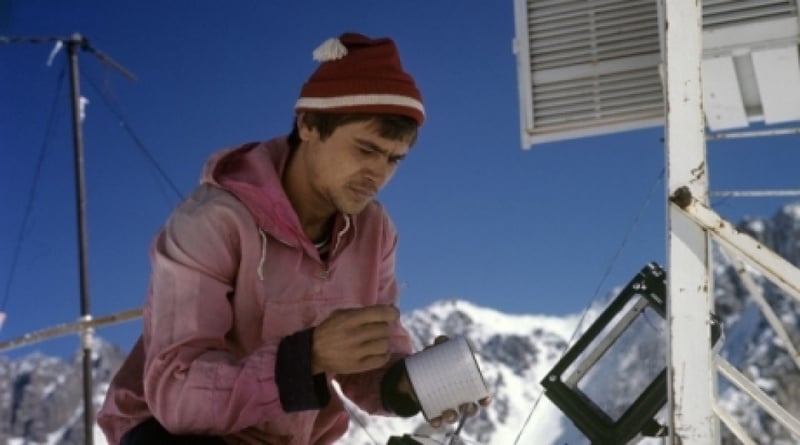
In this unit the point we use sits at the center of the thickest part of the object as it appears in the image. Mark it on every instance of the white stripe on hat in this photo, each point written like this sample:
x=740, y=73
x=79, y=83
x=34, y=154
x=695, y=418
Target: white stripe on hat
x=359, y=99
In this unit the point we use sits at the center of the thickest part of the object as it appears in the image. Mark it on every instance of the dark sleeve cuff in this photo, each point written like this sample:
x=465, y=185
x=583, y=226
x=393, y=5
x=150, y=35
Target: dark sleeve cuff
x=297, y=388
x=393, y=400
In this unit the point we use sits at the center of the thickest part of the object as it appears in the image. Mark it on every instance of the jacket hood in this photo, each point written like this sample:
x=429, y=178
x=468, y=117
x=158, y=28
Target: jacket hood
x=253, y=174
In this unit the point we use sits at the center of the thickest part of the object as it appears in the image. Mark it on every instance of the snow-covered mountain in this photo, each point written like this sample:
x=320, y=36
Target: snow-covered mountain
x=513, y=351
x=40, y=397
x=751, y=344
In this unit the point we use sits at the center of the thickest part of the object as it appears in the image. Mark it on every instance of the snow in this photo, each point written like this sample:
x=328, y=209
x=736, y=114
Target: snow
x=505, y=324
x=736, y=340
x=756, y=225
x=792, y=210
x=99, y=437
x=54, y=438
x=519, y=413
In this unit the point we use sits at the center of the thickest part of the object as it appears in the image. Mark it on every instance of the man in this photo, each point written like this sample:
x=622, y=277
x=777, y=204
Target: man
x=277, y=275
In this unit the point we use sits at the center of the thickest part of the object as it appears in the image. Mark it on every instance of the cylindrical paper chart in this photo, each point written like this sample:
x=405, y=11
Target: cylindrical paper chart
x=445, y=376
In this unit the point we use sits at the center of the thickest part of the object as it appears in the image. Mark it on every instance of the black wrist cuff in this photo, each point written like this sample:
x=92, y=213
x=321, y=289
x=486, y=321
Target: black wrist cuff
x=297, y=388
x=393, y=400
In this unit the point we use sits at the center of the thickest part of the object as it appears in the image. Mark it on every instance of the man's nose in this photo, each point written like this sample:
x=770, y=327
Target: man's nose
x=382, y=168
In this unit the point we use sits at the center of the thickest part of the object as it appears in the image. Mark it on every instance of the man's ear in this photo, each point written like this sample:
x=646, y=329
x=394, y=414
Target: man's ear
x=304, y=130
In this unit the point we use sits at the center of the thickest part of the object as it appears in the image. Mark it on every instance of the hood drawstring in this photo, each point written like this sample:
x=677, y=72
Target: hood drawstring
x=263, y=254
x=263, y=235
x=343, y=231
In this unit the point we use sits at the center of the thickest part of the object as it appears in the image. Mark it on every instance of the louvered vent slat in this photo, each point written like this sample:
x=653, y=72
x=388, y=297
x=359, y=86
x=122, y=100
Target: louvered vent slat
x=568, y=40
x=598, y=95
x=549, y=60
x=628, y=14
x=582, y=114
x=582, y=93
x=732, y=12
x=566, y=7
x=619, y=80
x=565, y=33
x=583, y=55
x=645, y=109
x=600, y=53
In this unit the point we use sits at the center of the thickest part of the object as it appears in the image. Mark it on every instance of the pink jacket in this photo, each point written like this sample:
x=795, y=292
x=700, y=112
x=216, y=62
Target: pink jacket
x=233, y=274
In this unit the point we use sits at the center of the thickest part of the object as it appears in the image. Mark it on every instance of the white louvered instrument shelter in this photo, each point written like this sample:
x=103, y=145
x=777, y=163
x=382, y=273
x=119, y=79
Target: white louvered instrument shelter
x=589, y=67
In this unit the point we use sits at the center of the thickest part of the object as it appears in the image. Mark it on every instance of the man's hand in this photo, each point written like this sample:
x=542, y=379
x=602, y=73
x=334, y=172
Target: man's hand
x=353, y=340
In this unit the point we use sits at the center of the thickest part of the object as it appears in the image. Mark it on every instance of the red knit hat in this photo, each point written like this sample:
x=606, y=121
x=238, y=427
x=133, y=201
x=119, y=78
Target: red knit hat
x=360, y=75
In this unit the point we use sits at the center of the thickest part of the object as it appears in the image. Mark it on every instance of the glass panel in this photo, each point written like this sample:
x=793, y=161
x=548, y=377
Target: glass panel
x=632, y=362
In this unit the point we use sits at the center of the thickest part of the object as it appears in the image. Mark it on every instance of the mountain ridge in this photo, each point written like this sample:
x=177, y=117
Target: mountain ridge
x=40, y=396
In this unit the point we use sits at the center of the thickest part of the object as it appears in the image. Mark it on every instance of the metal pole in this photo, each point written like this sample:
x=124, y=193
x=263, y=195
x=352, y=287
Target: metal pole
x=69, y=328
x=754, y=133
x=691, y=375
x=73, y=45
x=755, y=193
x=86, y=322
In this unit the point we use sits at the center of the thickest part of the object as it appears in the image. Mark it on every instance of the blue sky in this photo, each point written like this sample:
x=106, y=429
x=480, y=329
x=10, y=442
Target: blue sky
x=479, y=218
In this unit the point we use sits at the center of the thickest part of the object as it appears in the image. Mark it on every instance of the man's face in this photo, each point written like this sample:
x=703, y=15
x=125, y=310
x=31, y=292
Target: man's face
x=347, y=169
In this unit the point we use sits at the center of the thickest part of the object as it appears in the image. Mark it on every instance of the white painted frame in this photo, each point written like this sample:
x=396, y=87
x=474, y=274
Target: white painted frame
x=694, y=413
x=691, y=381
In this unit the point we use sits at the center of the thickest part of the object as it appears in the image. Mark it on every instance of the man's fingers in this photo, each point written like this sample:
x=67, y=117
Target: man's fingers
x=448, y=416
x=370, y=362
x=353, y=340
x=438, y=340
x=451, y=416
x=371, y=314
x=371, y=349
x=378, y=346
x=468, y=409
x=371, y=339
x=372, y=331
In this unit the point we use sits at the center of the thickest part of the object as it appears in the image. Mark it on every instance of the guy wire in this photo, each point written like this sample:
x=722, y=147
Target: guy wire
x=610, y=267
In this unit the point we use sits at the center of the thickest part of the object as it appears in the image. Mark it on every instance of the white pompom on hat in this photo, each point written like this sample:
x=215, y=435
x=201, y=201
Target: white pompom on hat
x=331, y=49
x=358, y=74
